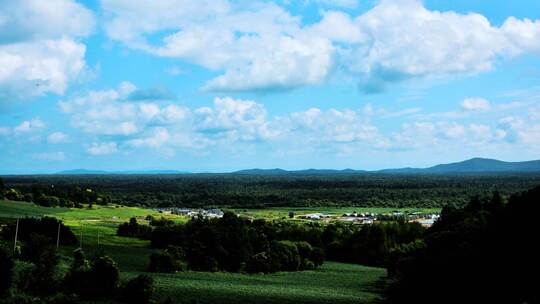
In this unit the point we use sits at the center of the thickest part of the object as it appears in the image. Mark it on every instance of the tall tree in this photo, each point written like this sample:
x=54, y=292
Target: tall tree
x=6, y=270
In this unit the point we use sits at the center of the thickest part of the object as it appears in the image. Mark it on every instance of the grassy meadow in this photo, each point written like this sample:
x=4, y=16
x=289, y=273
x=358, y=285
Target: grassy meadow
x=331, y=283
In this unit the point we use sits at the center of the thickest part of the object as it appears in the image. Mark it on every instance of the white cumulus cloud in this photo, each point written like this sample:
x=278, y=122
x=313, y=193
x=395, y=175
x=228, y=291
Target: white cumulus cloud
x=57, y=138
x=475, y=104
x=28, y=126
x=39, y=51
x=103, y=148
x=262, y=46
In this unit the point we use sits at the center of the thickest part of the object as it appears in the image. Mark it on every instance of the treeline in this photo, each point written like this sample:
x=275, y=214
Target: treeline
x=237, y=244
x=39, y=279
x=46, y=227
x=54, y=196
x=232, y=244
x=486, y=252
x=252, y=191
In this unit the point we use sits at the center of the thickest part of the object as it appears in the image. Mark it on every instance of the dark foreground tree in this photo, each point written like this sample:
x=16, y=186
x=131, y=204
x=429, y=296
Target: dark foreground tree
x=138, y=290
x=45, y=226
x=40, y=279
x=486, y=252
x=6, y=271
x=96, y=279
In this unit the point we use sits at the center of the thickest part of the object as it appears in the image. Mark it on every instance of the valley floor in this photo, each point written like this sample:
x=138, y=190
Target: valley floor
x=331, y=283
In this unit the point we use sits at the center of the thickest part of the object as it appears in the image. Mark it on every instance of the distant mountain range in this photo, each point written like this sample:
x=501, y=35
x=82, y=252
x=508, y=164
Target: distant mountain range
x=474, y=165
x=133, y=172
x=471, y=166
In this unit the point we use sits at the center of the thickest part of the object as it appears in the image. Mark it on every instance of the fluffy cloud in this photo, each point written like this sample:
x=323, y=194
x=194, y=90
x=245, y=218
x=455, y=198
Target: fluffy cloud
x=519, y=130
x=339, y=3
x=475, y=104
x=29, y=126
x=39, y=52
x=134, y=124
x=234, y=120
x=424, y=135
x=106, y=113
x=114, y=123
x=334, y=126
x=261, y=46
x=104, y=148
x=149, y=124
x=57, y=138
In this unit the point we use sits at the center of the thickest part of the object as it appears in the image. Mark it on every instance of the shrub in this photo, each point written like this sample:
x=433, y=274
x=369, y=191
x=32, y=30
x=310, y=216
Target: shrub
x=259, y=263
x=317, y=256
x=35, y=246
x=285, y=255
x=134, y=229
x=45, y=226
x=92, y=280
x=6, y=270
x=40, y=279
x=167, y=261
x=104, y=276
x=162, y=262
x=138, y=290
x=77, y=279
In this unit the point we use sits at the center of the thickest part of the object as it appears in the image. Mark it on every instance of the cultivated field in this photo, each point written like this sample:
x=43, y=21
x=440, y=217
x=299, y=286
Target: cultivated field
x=331, y=283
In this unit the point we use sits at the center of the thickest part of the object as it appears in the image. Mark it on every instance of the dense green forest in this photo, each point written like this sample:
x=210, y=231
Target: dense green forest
x=484, y=252
x=259, y=191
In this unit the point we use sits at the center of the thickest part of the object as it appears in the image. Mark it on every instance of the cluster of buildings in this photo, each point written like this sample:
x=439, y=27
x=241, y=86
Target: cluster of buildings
x=212, y=213
x=426, y=220
x=367, y=218
x=355, y=218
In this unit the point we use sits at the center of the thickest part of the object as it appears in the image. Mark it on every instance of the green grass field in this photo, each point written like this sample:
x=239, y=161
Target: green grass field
x=331, y=283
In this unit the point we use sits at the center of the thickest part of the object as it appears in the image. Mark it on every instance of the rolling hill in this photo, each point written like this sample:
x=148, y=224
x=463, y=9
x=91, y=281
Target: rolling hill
x=473, y=165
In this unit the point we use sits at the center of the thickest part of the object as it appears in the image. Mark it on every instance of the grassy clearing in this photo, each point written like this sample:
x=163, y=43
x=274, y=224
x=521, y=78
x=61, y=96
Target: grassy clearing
x=331, y=283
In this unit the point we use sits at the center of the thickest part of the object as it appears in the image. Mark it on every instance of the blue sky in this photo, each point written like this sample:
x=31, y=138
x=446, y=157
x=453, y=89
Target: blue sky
x=221, y=85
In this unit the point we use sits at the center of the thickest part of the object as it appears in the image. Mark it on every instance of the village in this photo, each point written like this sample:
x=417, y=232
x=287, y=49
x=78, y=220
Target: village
x=357, y=218
x=366, y=218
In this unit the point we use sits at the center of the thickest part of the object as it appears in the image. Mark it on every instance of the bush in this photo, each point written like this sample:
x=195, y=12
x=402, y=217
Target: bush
x=92, y=280
x=40, y=279
x=305, y=251
x=285, y=256
x=138, y=290
x=6, y=271
x=162, y=262
x=13, y=195
x=317, y=256
x=167, y=261
x=259, y=263
x=77, y=279
x=104, y=276
x=34, y=246
x=45, y=226
x=134, y=229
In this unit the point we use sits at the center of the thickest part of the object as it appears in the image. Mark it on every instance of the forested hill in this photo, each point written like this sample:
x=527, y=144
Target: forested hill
x=474, y=165
x=254, y=191
x=471, y=166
